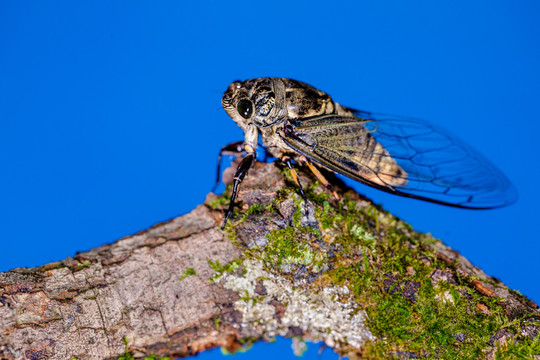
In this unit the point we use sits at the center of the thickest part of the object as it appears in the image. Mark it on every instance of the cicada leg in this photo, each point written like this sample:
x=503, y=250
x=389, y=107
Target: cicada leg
x=239, y=175
x=319, y=176
x=287, y=161
x=235, y=148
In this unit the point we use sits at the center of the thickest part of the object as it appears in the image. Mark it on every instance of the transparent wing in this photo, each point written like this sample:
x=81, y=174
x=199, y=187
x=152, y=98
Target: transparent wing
x=404, y=156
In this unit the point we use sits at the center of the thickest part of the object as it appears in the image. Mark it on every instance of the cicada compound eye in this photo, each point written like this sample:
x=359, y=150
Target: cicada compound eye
x=245, y=108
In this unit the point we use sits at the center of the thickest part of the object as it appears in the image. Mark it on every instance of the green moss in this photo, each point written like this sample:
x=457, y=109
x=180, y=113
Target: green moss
x=317, y=197
x=253, y=209
x=229, y=229
x=440, y=320
x=187, y=272
x=364, y=238
x=155, y=357
x=325, y=215
x=217, y=321
x=524, y=349
x=297, y=216
x=229, y=267
x=253, y=299
x=127, y=355
x=293, y=246
x=219, y=202
x=221, y=269
x=83, y=265
x=430, y=325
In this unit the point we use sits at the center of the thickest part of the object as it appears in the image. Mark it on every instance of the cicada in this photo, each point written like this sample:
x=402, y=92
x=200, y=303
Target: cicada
x=400, y=155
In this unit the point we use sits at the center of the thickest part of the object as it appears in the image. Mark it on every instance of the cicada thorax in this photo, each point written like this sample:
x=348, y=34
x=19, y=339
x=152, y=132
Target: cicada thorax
x=293, y=101
x=276, y=100
x=304, y=101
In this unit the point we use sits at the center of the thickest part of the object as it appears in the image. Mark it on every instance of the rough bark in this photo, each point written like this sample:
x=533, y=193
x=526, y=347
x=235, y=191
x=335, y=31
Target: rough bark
x=185, y=286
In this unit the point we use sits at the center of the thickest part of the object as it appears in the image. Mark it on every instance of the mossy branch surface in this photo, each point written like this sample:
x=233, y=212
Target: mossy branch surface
x=346, y=273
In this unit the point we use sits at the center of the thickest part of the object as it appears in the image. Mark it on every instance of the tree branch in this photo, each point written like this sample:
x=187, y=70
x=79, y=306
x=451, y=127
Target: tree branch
x=347, y=273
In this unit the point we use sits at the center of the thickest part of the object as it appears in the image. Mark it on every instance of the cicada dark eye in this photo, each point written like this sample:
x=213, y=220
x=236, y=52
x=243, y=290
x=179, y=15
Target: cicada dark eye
x=245, y=108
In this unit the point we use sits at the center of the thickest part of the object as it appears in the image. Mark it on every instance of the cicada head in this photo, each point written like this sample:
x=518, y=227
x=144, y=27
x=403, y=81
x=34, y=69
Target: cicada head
x=258, y=102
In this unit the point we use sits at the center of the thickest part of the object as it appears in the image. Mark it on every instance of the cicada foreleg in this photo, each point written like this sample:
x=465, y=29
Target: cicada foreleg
x=239, y=175
x=287, y=161
x=235, y=148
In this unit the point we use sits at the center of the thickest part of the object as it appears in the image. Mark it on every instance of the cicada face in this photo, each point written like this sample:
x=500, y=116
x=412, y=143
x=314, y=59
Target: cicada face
x=258, y=102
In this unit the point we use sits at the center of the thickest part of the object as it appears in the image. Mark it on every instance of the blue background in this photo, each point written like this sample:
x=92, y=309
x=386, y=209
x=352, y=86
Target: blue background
x=110, y=116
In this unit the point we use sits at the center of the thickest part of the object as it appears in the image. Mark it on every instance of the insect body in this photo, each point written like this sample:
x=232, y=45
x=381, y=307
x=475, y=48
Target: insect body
x=399, y=155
